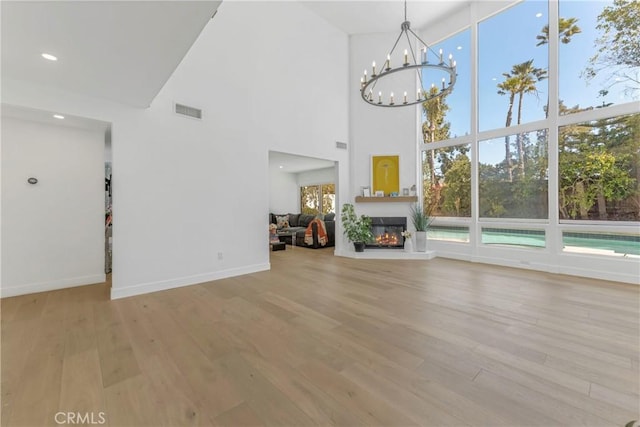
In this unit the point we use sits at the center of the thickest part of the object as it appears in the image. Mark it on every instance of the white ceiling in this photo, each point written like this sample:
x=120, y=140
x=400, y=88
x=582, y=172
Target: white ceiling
x=294, y=164
x=125, y=51
x=119, y=50
x=364, y=16
x=47, y=118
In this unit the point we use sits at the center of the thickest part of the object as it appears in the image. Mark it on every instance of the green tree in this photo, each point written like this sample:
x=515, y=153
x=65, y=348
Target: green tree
x=456, y=195
x=328, y=198
x=434, y=126
x=598, y=164
x=618, y=47
x=310, y=199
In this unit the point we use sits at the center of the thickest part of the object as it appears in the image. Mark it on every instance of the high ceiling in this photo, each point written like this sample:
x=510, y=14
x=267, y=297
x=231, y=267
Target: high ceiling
x=362, y=17
x=119, y=50
x=125, y=51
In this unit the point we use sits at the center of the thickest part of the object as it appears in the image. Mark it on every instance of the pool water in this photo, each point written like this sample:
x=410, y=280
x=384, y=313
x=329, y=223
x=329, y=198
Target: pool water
x=604, y=244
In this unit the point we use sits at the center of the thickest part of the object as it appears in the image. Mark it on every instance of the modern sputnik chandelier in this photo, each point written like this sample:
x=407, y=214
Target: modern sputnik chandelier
x=410, y=64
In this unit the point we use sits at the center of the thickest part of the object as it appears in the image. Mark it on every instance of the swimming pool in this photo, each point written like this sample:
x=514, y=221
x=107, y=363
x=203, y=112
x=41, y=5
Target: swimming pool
x=582, y=242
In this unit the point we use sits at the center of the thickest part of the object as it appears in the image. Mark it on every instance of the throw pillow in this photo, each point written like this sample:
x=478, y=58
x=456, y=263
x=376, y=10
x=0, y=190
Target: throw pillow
x=282, y=221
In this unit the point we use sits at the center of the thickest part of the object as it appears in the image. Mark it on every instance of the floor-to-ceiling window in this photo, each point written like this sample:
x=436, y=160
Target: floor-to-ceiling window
x=538, y=147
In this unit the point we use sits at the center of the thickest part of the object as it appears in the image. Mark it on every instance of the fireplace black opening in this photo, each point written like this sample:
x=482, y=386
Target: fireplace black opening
x=387, y=232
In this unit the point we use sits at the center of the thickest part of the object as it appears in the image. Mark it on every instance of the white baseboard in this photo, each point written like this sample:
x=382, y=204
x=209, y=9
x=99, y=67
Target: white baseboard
x=561, y=268
x=179, y=282
x=388, y=254
x=33, y=288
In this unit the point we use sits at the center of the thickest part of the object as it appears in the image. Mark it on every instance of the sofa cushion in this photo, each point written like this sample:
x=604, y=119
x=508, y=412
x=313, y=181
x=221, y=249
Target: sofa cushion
x=293, y=220
x=330, y=217
x=305, y=219
x=282, y=221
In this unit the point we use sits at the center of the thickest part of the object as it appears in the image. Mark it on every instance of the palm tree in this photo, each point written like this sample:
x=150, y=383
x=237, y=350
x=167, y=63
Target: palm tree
x=521, y=80
x=566, y=29
x=528, y=76
x=510, y=86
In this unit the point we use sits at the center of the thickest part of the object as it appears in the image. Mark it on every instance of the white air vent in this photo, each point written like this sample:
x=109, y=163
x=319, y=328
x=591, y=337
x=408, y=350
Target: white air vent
x=185, y=110
x=341, y=145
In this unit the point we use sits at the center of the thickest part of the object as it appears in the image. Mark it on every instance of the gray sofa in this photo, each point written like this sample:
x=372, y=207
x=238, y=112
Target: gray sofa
x=297, y=225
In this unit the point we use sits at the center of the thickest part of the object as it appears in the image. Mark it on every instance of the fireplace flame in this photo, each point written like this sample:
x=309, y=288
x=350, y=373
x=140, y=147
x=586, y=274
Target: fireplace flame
x=387, y=239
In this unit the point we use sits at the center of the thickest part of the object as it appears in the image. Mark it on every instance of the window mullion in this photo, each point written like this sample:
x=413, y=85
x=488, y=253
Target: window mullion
x=554, y=237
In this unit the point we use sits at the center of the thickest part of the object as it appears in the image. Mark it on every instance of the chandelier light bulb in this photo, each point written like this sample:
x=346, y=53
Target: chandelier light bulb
x=450, y=60
x=388, y=65
x=405, y=97
x=379, y=97
x=441, y=61
x=443, y=83
x=423, y=55
x=406, y=57
x=373, y=66
x=391, y=99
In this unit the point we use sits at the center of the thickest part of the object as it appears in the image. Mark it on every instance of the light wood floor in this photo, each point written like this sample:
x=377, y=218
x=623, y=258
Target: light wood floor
x=320, y=340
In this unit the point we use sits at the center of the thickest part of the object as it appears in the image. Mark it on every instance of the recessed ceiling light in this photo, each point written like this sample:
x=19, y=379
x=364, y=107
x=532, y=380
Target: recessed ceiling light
x=49, y=57
x=538, y=15
x=281, y=167
x=58, y=116
x=494, y=79
x=459, y=48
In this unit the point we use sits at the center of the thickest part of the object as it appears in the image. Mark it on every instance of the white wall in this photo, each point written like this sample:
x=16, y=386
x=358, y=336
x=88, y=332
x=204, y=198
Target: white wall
x=284, y=187
x=53, y=231
x=284, y=193
x=187, y=192
x=378, y=131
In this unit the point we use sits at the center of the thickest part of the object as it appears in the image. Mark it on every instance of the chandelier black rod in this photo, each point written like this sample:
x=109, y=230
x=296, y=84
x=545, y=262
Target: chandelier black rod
x=445, y=90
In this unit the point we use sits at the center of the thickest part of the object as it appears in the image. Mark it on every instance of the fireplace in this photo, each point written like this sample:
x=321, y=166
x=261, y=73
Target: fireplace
x=387, y=232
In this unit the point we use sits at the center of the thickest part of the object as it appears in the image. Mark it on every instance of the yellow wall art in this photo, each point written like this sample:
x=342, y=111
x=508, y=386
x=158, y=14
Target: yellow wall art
x=385, y=171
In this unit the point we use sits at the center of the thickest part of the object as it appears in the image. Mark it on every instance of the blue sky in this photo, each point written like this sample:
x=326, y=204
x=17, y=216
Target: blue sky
x=509, y=38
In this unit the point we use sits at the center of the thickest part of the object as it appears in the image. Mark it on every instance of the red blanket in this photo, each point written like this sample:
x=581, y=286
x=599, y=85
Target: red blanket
x=322, y=233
